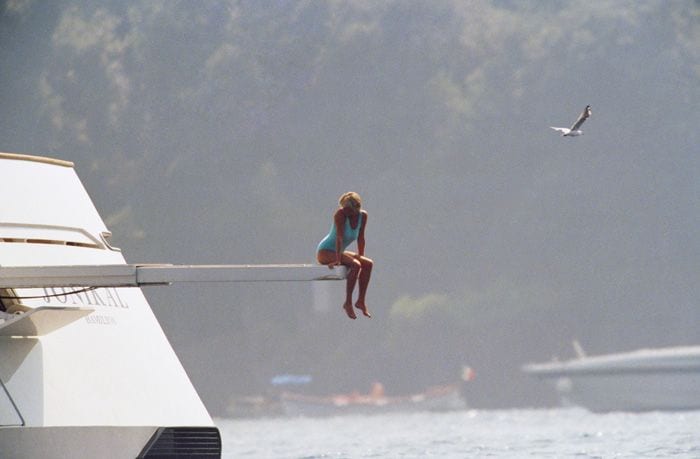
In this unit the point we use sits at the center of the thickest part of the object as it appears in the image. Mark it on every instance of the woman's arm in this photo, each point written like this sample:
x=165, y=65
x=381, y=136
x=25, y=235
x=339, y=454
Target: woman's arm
x=339, y=219
x=361, y=236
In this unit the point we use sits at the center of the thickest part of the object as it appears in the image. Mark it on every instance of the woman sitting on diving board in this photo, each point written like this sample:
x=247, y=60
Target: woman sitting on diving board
x=349, y=223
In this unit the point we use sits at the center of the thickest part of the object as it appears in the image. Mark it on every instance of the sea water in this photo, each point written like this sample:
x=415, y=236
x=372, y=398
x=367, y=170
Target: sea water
x=522, y=433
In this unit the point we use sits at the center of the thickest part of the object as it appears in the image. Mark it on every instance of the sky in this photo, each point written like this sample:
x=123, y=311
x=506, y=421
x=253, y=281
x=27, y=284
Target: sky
x=224, y=132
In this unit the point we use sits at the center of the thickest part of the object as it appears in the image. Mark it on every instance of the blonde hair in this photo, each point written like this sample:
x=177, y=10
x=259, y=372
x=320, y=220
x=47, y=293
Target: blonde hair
x=350, y=199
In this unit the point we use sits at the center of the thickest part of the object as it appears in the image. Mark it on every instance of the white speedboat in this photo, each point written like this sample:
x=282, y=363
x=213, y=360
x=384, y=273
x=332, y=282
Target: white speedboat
x=642, y=380
x=85, y=368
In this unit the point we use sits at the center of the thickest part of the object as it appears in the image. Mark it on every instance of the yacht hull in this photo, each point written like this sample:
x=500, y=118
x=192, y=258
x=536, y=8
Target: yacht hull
x=109, y=442
x=665, y=379
x=85, y=371
x=97, y=441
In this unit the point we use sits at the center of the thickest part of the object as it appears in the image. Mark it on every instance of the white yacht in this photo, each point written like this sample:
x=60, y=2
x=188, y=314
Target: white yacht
x=642, y=380
x=85, y=368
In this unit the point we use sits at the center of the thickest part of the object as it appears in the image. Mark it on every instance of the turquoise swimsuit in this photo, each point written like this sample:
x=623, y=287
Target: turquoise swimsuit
x=349, y=235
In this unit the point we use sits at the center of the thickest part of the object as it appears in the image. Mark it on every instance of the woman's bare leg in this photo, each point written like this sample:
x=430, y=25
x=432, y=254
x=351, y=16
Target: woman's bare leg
x=365, y=274
x=348, y=260
x=353, y=273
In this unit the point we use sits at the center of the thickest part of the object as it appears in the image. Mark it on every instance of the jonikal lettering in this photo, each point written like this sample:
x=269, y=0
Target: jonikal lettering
x=108, y=297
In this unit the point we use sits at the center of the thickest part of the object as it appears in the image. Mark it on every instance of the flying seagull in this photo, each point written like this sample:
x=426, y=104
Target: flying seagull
x=576, y=128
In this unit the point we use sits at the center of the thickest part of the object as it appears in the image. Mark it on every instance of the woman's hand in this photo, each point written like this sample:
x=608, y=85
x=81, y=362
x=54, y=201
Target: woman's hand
x=333, y=264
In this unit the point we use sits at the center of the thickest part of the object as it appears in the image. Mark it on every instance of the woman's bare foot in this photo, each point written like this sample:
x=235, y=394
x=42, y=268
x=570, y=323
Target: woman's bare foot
x=349, y=311
x=363, y=307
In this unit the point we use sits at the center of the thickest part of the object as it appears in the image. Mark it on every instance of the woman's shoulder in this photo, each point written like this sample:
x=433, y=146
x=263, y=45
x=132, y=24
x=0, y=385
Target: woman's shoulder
x=338, y=215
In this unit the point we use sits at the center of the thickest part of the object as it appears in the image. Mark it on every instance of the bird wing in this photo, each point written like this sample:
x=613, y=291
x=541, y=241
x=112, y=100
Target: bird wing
x=583, y=117
x=562, y=130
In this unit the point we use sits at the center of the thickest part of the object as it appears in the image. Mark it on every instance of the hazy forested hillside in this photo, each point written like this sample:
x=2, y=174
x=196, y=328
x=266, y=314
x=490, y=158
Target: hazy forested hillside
x=224, y=132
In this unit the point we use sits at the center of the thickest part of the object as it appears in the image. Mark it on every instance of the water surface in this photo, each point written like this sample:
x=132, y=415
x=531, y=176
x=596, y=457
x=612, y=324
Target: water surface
x=556, y=433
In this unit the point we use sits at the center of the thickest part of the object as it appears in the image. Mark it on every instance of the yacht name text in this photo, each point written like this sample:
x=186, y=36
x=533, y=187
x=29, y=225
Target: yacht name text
x=99, y=297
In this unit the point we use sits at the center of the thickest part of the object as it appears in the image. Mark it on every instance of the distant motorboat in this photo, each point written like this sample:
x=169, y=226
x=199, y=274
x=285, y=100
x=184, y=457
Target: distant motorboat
x=665, y=379
x=436, y=398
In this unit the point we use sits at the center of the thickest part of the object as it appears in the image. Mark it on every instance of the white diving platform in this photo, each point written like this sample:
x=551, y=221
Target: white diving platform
x=138, y=275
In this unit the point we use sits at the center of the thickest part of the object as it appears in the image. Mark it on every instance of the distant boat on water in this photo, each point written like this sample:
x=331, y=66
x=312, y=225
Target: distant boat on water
x=665, y=379
x=436, y=398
